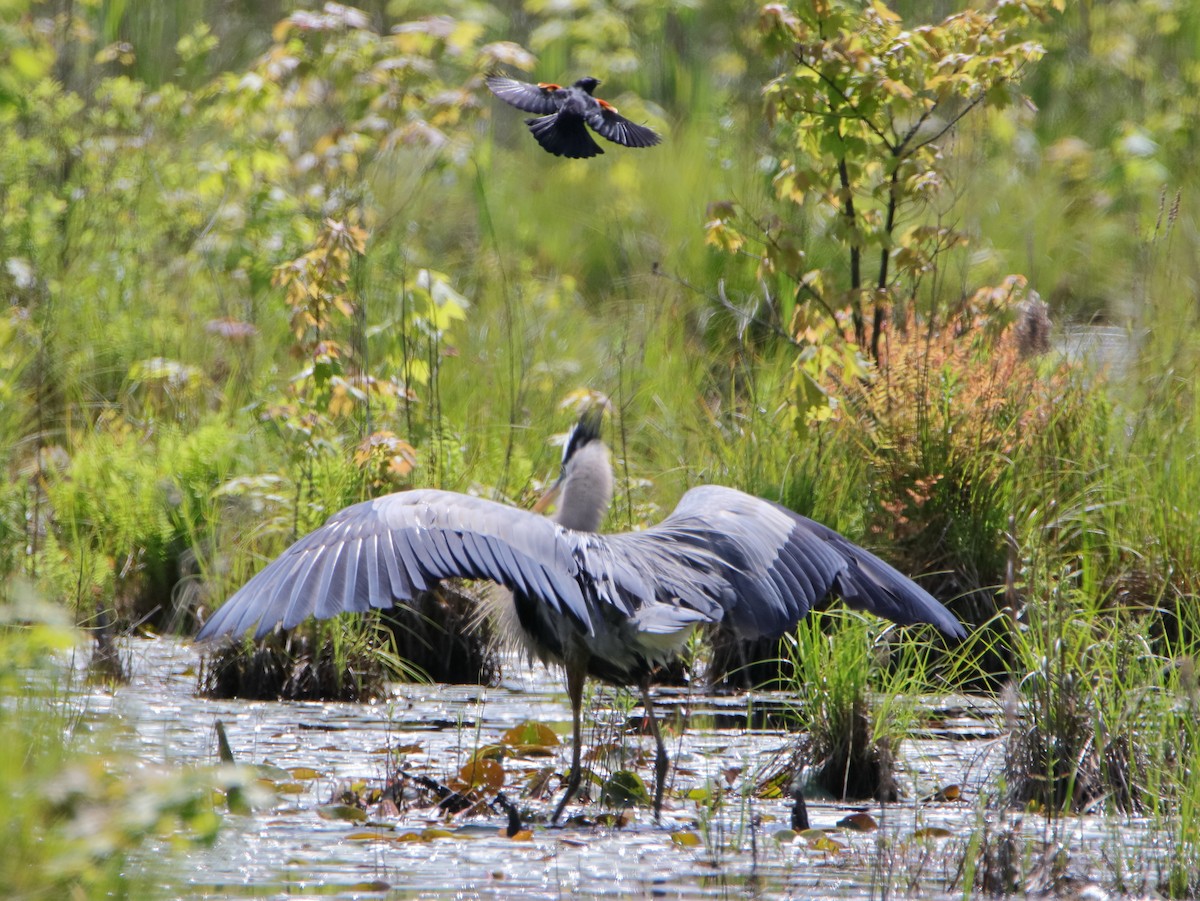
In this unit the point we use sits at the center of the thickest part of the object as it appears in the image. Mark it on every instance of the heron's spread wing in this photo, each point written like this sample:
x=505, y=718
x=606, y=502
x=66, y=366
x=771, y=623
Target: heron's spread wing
x=721, y=554
x=868, y=583
x=378, y=552
x=765, y=567
x=532, y=98
x=608, y=123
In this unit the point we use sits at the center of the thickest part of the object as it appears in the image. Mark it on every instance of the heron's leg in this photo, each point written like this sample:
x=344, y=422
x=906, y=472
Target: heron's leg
x=575, y=676
x=661, y=761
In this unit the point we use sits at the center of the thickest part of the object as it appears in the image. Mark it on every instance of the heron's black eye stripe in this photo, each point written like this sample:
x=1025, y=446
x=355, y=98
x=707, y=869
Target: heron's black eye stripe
x=583, y=433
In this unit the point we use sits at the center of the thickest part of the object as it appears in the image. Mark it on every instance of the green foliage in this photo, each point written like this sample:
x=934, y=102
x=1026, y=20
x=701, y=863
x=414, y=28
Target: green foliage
x=252, y=274
x=1084, y=743
x=1108, y=720
x=943, y=427
x=126, y=515
x=862, y=116
x=13, y=490
x=855, y=705
x=74, y=814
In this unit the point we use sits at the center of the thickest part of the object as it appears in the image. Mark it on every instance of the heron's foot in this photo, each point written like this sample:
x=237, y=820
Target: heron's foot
x=572, y=787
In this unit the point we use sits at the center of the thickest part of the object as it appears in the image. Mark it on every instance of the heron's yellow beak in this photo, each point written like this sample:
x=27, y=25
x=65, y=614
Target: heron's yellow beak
x=548, y=498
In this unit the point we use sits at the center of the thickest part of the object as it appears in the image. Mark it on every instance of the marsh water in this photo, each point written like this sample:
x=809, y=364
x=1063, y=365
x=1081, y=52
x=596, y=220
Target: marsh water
x=740, y=843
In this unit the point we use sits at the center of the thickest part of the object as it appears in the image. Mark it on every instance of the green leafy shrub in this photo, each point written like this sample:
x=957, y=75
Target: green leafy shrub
x=75, y=814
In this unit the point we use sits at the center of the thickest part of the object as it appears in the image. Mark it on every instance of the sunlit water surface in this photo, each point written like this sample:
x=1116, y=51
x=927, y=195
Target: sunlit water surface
x=287, y=849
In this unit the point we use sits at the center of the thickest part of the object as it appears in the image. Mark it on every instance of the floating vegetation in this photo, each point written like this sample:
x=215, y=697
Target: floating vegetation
x=302, y=666
x=439, y=637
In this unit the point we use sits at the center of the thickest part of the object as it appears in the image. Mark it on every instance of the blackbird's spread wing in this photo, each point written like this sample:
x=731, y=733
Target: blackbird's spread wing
x=608, y=123
x=525, y=96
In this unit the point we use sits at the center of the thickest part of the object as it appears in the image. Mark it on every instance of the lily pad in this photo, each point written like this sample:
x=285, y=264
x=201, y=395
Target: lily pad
x=624, y=787
x=945, y=793
x=272, y=773
x=342, y=812
x=858, y=822
x=818, y=840
x=490, y=752
x=530, y=737
x=483, y=774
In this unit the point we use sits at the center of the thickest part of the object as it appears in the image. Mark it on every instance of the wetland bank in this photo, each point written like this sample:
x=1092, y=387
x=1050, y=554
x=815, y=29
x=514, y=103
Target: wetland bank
x=264, y=262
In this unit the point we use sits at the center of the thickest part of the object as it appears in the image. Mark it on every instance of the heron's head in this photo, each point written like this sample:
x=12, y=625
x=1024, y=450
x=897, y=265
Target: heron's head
x=584, y=487
x=588, y=83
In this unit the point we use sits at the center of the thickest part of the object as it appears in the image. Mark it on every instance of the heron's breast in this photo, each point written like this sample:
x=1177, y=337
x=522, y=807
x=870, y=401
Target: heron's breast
x=622, y=651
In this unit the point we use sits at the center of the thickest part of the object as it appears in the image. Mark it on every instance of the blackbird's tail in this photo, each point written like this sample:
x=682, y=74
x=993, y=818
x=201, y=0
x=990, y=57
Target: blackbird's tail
x=564, y=136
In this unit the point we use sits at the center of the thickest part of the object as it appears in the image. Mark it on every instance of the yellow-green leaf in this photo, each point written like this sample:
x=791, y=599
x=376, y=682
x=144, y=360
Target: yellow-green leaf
x=342, y=812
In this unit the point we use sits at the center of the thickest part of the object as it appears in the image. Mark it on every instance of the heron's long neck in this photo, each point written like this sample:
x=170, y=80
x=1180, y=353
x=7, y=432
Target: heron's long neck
x=587, y=493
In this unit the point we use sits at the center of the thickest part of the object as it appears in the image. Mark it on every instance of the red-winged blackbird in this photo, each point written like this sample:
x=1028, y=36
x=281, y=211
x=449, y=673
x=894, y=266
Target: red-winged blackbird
x=562, y=113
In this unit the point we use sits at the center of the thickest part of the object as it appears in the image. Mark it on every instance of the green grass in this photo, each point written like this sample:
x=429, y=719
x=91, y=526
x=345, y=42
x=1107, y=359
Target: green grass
x=856, y=694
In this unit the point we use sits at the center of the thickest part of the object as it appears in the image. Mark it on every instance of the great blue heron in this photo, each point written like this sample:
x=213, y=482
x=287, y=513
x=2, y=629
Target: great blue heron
x=615, y=607
x=562, y=113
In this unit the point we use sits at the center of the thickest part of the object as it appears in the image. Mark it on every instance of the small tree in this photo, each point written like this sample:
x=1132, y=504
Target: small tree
x=860, y=114
x=854, y=234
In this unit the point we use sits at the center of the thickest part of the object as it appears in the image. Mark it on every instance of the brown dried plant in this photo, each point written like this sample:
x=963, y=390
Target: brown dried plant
x=955, y=408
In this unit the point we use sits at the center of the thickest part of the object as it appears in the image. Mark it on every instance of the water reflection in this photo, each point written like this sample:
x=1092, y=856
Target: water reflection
x=290, y=849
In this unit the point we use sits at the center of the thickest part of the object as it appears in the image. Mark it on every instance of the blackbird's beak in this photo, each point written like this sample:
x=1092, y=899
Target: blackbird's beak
x=548, y=498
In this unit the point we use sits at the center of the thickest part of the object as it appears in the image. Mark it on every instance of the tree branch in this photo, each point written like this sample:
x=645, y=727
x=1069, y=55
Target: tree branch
x=884, y=257
x=855, y=253
x=833, y=85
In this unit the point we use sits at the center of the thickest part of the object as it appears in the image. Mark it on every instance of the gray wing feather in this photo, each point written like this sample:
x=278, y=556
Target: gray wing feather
x=402, y=541
x=764, y=567
x=421, y=536
x=868, y=583
x=524, y=96
x=295, y=590
x=480, y=552
x=612, y=125
x=437, y=544
x=371, y=557
x=315, y=597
